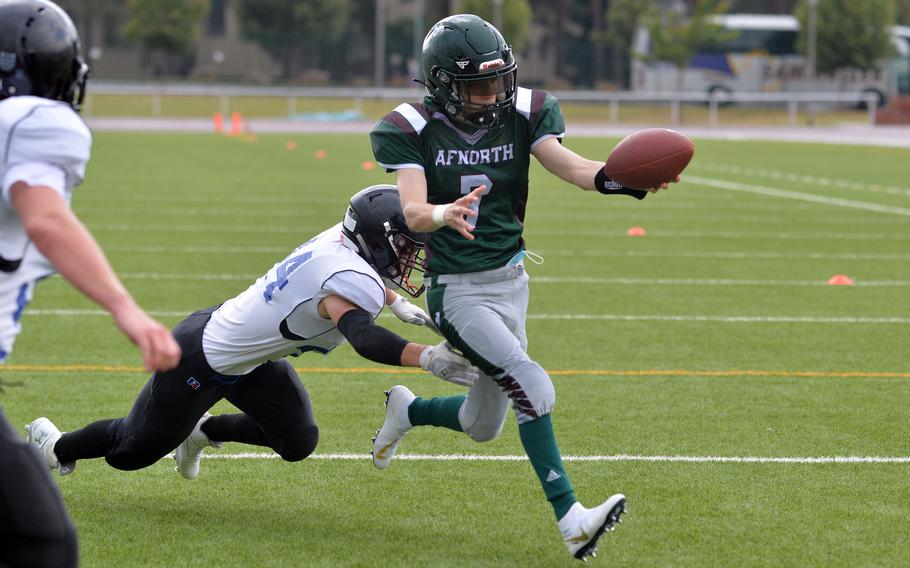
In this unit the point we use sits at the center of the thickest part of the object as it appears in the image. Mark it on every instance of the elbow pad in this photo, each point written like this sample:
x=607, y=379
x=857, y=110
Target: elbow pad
x=369, y=340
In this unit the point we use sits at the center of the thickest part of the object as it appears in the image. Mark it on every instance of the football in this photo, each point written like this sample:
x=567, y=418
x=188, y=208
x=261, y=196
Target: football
x=649, y=157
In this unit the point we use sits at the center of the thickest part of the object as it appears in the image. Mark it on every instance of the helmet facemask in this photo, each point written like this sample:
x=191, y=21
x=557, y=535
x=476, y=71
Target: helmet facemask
x=482, y=100
x=407, y=273
x=375, y=226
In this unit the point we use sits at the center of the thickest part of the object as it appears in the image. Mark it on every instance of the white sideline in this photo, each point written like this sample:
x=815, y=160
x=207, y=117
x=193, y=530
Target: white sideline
x=612, y=458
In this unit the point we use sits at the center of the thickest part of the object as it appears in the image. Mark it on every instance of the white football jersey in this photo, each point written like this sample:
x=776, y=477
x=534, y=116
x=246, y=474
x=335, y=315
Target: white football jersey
x=277, y=316
x=43, y=142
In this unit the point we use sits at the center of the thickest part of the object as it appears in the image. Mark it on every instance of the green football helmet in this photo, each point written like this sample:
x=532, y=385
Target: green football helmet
x=469, y=70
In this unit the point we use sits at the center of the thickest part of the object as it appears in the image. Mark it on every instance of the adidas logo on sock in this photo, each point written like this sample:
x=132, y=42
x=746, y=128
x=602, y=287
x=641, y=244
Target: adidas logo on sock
x=553, y=476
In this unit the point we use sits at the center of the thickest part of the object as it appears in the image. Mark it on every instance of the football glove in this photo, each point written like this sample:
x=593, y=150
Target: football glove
x=409, y=313
x=607, y=186
x=448, y=365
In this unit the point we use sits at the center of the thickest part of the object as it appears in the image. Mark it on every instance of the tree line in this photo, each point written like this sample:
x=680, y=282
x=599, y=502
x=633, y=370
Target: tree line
x=590, y=40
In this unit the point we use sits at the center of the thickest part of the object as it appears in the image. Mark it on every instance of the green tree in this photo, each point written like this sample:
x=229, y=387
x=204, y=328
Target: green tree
x=903, y=12
x=167, y=30
x=676, y=38
x=850, y=34
x=516, y=18
x=623, y=18
x=285, y=28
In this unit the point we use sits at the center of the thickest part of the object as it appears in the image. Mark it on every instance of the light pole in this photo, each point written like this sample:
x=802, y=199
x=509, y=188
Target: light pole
x=379, y=46
x=811, y=45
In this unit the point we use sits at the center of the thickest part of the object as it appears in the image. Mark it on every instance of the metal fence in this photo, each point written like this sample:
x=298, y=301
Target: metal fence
x=810, y=101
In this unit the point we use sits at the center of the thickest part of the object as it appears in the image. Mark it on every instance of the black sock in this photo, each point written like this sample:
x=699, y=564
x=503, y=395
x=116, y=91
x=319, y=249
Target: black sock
x=93, y=441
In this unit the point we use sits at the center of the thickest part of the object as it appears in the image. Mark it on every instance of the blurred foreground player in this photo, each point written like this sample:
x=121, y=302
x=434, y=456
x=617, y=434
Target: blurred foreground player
x=45, y=147
x=328, y=290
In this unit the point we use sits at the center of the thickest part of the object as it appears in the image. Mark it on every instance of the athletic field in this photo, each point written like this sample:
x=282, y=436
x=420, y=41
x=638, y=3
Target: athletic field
x=753, y=414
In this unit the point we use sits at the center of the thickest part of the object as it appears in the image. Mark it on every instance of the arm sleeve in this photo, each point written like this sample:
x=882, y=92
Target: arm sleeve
x=34, y=174
x=369, y=340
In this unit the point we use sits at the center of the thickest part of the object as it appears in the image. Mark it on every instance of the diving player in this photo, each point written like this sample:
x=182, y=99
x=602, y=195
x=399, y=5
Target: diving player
x=328, y=290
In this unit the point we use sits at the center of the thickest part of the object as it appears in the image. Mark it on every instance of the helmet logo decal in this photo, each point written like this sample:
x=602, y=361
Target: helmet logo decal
x=491, y=64
x=463, y=64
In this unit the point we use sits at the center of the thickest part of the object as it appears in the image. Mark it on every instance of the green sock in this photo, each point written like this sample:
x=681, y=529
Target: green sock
x=437, y=411
x=540, y=445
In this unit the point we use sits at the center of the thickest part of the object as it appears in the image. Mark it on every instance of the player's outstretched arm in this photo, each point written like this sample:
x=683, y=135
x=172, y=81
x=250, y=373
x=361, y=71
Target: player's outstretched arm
x=573, y=168
x=425, y=217
x=64, y=240
x=378, y=344
x=408, y=312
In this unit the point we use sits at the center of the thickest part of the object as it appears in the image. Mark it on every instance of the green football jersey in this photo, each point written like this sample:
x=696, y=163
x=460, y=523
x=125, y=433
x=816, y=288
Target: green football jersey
x=457, y=159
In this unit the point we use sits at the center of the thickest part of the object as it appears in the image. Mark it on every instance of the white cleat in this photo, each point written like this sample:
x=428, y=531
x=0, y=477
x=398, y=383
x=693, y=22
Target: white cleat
x=581, y=528
x=189, y=452
x=396, y=425
x=44, y=435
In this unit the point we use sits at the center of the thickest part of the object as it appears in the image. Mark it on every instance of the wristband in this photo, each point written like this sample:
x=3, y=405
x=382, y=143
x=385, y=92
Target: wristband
x=603, y=184
x=439, y=212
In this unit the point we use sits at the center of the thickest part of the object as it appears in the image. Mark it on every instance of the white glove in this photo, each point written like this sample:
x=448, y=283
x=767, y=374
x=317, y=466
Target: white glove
x=409, y=313
x=445, y=363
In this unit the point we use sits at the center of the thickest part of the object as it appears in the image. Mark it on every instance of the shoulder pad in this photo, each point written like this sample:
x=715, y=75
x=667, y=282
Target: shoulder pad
x=409, y=118
x=531, y=102
x=45, y=131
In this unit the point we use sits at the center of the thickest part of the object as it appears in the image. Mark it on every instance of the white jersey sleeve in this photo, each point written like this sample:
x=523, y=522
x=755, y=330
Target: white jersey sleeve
x=40, y=139
x=360, y=289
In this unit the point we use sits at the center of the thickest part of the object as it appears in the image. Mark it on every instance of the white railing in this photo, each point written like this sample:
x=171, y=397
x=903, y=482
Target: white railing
x=714, y=101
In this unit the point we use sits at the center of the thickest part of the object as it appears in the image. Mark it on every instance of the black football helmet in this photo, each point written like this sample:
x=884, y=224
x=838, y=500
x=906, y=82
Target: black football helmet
x=40, y=52
x=466, y=64
x=375, y=224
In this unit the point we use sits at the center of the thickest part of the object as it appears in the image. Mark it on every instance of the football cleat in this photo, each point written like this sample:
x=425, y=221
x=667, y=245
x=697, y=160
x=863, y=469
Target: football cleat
x=189, y=452
x=581, y=528
x=44, y=435
x=396, y=425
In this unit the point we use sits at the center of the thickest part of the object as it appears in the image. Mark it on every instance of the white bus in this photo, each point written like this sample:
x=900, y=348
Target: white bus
x=762, y=57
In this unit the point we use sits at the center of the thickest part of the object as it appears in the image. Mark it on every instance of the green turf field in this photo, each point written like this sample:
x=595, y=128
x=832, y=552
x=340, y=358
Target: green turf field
x=713, y=336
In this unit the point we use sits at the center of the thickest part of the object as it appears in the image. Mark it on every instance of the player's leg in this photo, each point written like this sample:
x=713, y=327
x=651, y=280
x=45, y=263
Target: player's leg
x=35, y=529
x=276, y=413
x=532, y=394
x=165, y=412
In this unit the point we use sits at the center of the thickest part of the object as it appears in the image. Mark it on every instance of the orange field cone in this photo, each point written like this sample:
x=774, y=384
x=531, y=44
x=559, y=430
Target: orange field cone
x=320, y=154
x=290, y=145
x=636, y=232
x=368, y=165
x=840, y=280
x=218, y=123
x=236, y=124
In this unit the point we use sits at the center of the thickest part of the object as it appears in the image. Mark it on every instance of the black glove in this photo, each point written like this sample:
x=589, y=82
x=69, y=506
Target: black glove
x=605, y=185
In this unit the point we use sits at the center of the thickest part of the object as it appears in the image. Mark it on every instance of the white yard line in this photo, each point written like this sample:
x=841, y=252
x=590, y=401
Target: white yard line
x=571, y=317
x=800, y=195
x=806, y=179
x=610, y=458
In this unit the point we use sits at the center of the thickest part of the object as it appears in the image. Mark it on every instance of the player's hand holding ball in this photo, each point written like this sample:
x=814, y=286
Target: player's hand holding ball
x=645, y=162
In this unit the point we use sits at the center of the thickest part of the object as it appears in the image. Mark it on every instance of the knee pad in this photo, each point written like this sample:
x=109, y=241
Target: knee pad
x=484, y=430
x=301, y=445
